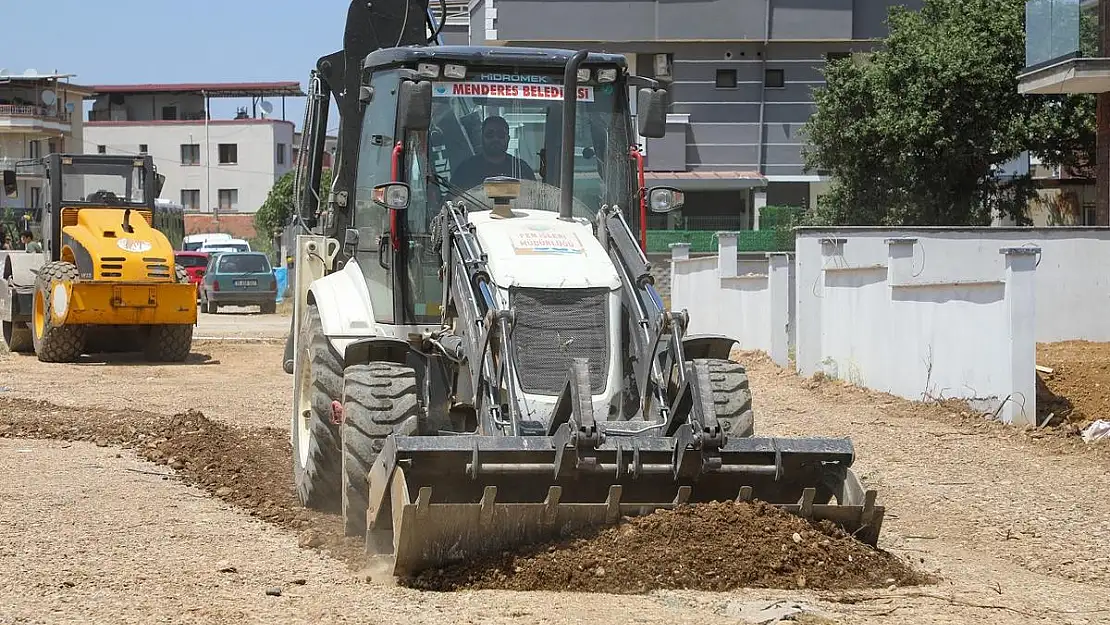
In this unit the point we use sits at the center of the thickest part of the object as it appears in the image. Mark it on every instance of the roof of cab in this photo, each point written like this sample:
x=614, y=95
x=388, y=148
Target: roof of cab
x=545, y=58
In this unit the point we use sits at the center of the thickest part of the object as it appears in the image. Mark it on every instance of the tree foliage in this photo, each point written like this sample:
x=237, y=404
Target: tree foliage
x=280, y=203
x=915, y=134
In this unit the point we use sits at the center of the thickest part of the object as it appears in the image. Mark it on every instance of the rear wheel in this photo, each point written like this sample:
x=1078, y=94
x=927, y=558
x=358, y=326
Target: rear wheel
x=316, y=440
x=379, y=399
x=169, y=342
x=17, y=336
x=54, y=343
x=268, y=308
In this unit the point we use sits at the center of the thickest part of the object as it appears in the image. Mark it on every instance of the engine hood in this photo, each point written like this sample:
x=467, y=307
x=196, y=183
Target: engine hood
x=536, y=249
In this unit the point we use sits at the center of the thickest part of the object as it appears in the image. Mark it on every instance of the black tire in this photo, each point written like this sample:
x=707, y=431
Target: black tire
x=379, y=399
x=169, y=342
x=56, y=343
x=732, y=397
x=318, y=479
x=268, y=308
x=17, y=336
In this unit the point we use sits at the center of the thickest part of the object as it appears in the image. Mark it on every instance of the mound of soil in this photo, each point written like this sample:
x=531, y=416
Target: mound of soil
x=1078, y=389
x=249, y=468
x=712, y=547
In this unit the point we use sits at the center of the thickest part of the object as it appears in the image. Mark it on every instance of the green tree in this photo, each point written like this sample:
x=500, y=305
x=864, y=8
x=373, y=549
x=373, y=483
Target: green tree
x=280, y=204
x=914, y=134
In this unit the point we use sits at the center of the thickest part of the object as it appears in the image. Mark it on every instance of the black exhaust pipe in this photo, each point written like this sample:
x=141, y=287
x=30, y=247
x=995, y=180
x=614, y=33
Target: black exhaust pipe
x=566, y=167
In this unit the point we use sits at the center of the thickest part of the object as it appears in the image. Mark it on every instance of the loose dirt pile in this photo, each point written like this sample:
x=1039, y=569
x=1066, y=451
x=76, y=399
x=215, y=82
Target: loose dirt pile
x=248, y=468
x=1078, y=389
x=712, y=547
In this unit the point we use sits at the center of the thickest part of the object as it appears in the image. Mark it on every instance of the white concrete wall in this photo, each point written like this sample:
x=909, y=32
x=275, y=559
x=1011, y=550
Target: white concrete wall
x=746, y=298
x=945, y=313
x=1072, y=282
x=919, y=312
x=253, y=175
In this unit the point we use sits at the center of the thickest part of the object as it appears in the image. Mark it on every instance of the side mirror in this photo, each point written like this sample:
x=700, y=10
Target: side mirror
x=665, y=199
x=391, y=195
x=9, y=183
x=414, y=105
x=651, y=112
x=159, y=182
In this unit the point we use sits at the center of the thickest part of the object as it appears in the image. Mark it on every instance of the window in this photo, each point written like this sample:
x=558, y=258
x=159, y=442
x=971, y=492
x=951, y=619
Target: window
x=726, y=79
x=836, y=56
x=229, y=198
x=143, y=148
x=774, y=79
x=51, y=147
x=33, y=149
x=169, y=113
x=190, y=154
x=101, y=149
x=190, y=199
x=281, y=154
x=229, y=153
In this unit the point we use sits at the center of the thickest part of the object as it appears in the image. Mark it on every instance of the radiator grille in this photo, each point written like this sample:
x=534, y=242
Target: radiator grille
x=554, y=326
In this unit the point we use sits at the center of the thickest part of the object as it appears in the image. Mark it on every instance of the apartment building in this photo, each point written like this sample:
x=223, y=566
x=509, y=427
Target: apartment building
x=1064, y=41
x=39, y=114
x=741, y=75
x=211, y=165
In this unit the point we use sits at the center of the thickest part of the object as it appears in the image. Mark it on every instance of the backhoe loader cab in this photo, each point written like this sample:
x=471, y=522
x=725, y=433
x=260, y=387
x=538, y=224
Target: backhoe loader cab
x=106, y=280
x=480, y=358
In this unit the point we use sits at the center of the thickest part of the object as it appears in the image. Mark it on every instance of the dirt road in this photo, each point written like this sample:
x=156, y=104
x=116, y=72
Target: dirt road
x=1014, y=526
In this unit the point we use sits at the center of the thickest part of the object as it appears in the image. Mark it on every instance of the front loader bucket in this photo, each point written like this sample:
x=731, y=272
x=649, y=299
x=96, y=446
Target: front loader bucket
x=440, y=500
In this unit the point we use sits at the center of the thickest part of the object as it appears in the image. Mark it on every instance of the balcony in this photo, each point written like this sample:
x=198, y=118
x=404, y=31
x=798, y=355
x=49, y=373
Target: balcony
x=1062, y=48
x=29, y=117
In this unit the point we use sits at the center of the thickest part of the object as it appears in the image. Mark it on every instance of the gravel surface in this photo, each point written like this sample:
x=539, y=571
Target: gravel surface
x=1013, y=523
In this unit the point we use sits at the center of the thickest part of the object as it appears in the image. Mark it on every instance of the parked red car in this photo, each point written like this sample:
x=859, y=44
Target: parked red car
x=194, y=264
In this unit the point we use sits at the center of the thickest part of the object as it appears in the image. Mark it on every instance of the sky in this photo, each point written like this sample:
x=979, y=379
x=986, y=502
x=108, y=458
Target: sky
x=139, y=41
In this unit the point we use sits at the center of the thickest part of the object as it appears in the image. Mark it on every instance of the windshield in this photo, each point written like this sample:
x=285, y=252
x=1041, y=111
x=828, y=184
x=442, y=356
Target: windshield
x=113, y=184
x=482, y=129
x=243, y=263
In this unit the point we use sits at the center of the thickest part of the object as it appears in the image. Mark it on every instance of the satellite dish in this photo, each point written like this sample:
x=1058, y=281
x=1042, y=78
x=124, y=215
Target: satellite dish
x=49, y=98
x=267, y=108
x=4, y=72
x=31, y=72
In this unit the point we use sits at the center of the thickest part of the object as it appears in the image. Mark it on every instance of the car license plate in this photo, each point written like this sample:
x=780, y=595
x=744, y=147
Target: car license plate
x=246, y=282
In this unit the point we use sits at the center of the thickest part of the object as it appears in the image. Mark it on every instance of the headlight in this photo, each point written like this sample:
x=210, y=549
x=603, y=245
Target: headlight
x=428, y=70
x=454, y=71
x=583, y=75
x=607, y=75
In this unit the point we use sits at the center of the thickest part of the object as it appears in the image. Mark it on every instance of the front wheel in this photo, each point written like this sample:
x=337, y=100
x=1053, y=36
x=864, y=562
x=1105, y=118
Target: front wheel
x=52, y=342
x=379, y=399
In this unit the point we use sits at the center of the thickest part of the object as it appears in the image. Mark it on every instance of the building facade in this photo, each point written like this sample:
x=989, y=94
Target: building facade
x=39, y=114
x=741, y=75
x=211, y=165
x=1067, y=50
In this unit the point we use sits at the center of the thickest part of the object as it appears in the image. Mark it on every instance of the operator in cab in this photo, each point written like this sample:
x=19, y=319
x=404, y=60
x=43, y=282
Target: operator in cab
x=493, y=160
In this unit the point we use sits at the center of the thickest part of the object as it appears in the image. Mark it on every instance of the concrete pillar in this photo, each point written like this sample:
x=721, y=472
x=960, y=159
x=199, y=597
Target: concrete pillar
x=899, y=268
x=759, y=202
x=778, y=292
x=1021, y=300
x=726, y=254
